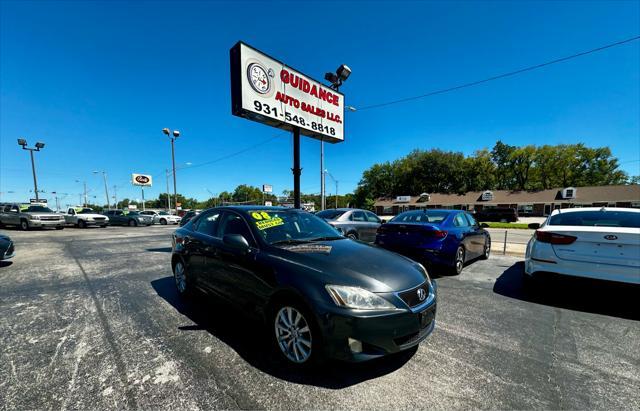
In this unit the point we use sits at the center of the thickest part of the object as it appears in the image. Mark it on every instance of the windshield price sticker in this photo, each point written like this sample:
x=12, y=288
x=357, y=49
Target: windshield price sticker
x=264, y=220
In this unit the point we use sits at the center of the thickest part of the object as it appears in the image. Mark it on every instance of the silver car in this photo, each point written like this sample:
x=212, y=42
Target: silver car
x=353, y=223
x=28, y=216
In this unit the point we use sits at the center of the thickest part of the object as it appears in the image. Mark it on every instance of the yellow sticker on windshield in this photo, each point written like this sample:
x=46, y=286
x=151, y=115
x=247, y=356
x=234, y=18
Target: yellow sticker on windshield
x=260, y=215
x=269, y=223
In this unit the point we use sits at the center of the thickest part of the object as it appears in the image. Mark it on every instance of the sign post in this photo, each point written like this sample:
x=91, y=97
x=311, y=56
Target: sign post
x=266, y=90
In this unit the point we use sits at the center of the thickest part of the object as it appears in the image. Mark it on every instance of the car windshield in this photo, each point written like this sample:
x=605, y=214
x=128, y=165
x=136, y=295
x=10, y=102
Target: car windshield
x=421, y=217
x=330, y=214
x=38, y=209
x=86, y=211
x=290, y=227
x=133, y=213
x=597, y=219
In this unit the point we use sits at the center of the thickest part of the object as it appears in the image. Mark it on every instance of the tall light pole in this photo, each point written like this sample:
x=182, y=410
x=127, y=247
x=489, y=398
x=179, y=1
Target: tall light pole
x=336, y=79
x=84, y=186
x=335, y=181
x=173, y=135
x=106, y=187
x=22, y=142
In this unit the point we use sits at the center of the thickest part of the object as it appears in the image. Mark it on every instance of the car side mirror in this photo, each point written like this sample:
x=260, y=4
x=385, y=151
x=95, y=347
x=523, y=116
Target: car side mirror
x=484, y=225
x=534, y=226
x=236, y=241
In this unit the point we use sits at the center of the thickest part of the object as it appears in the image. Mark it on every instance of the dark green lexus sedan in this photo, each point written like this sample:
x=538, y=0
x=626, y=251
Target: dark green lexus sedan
x=321, y=294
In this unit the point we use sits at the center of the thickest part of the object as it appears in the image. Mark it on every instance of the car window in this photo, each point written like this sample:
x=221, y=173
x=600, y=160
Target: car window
x=420, y=217
x=372, y=218
x=118, y=212
x=607, y=218
x=472, y=221
x=330, y=214
x=208, y=224
x=460, y=221
x=358, y=216
x=39, y=209
x=234, y=224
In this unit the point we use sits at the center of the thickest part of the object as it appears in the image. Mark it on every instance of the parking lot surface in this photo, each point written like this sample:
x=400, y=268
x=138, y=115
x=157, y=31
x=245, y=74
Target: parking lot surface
x=90, y=319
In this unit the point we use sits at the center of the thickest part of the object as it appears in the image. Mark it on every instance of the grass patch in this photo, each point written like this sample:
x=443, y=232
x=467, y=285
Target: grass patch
x=519, y=226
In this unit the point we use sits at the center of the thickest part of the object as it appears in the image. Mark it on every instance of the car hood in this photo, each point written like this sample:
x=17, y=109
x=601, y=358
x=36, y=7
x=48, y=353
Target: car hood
x=348, y=262
x=91, y=215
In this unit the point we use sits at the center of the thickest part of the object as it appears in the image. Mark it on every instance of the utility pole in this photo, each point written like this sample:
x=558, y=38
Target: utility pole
x=335, y=181
x=115, y=196
x=22, y=142
x=106, y=188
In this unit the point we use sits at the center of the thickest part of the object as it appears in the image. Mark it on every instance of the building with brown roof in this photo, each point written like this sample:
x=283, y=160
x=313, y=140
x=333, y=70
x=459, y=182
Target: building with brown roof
x=528, y=203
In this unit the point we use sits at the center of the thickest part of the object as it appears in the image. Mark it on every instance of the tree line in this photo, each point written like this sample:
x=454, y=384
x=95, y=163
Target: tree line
x=505, y=167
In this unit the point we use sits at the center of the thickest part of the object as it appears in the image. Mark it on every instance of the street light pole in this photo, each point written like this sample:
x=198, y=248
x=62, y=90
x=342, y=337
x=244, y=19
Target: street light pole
x=168, y=195
x=173, y=135
x=22, y=142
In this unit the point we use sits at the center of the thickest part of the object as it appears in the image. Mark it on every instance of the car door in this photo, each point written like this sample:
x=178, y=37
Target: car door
x=14, y=214
x=238, y=274
x=373, y=222
x=201, y=241
x=476, y=234
x=120, y=217
x=359, y=223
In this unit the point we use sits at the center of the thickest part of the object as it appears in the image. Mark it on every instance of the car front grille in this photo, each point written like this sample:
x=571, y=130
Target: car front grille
x=49, y=218
x=411, y=297
x=99, y=218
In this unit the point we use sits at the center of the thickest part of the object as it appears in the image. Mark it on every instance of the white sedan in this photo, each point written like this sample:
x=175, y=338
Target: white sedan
x=601, y=243
x=162, y=217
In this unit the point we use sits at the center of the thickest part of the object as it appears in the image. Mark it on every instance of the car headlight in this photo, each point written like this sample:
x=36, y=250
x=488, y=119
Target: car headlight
x=358, y=298
x=34, y=217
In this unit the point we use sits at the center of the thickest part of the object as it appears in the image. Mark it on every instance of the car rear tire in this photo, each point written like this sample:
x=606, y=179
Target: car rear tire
x=352, y=236
x=82, y=224
x=487, y=249
x=180, y=277
x=163, y=221
x=24, y=225
x=133, y=223
x=458, y=262
x=295, y=335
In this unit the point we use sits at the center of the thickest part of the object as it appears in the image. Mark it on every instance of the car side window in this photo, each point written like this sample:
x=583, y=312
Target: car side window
x=472, y=221
x=460, y=221
x=208, y=224
x=234, y=224
x=372, y=218
x=358, y=216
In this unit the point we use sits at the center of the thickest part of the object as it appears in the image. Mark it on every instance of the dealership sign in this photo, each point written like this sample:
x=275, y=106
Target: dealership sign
x=141, y=180
x=268, y=91
x=267, y=188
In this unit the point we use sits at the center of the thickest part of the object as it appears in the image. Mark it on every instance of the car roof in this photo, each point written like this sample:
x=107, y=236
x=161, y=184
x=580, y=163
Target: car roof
x=440, y=210
x=579, y=209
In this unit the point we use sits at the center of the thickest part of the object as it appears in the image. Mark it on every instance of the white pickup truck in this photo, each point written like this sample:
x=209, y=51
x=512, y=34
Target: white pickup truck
x=83, y=217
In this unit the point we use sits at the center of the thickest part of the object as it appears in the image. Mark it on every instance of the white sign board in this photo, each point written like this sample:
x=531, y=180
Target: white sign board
x=267, y=188
x=141, y=180
x=268, y=203
x=403, y=199
x=268, y=91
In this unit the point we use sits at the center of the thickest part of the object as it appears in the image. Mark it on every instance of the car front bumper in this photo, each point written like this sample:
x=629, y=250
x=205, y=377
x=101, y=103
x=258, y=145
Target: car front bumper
x=46, y=223
x=379, y=334
x=7, y=253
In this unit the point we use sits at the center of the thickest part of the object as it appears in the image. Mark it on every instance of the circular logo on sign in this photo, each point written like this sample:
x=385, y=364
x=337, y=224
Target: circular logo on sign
x=142, y=179
x=610, y=237
x=259, y=78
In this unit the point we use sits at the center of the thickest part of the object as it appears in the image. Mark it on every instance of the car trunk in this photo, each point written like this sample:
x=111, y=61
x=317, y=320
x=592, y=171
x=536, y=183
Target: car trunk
x=599, y=245
x=414, y=234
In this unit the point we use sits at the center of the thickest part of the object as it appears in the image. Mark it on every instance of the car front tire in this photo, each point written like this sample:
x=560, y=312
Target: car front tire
x=487, y=249
x=295, y=335
x=133, y=223
x=82, y=224
x=163, y=221
x=458, y=262
x=24, y=225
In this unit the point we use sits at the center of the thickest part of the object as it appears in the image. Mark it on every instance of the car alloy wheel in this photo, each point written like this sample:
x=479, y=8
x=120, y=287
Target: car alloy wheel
x=293, y=335
x=163, y=222
x=459, y=263
x=132, y=223
x=24, y=225
x=82, y=224
x=352, y=236
x=487, y=249
x=180, y=276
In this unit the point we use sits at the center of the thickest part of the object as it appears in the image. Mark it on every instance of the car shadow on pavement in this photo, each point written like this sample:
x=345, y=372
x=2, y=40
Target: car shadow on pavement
x=572, y=293
x=255, y=348
x=5, y=263
x=160, y=250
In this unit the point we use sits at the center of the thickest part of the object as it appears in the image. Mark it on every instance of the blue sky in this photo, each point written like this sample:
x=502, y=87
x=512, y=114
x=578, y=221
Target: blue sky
x=97, y=82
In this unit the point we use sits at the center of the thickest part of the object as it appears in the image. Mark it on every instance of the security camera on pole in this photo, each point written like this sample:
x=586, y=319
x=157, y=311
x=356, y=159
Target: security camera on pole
x=173, y=135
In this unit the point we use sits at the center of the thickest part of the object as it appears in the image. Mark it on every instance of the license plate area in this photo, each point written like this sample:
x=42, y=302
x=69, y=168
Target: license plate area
x=426, y=317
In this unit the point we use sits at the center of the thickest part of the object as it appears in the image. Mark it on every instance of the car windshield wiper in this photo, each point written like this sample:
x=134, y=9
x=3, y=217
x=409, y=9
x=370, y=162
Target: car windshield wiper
x=328, y=238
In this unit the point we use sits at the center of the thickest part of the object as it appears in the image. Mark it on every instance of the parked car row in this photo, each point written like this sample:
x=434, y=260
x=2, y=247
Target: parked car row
x=30, y=216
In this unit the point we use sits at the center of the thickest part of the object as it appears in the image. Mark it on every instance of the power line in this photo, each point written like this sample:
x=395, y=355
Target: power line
x=499, y=76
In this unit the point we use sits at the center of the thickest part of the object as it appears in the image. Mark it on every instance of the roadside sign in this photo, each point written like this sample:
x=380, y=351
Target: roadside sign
x=38, y=201
x=268, y=203
x=266, y=90
x=132, y=207
x=403, y=199
x=267, y=188
x=144, y=180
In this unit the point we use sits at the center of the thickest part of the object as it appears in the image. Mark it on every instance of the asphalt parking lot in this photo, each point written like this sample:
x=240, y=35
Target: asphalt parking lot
x=90, y=319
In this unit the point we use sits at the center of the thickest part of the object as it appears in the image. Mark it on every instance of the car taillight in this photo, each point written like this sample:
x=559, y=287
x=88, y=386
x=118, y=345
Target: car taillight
x=554, y=238
x=435, y=234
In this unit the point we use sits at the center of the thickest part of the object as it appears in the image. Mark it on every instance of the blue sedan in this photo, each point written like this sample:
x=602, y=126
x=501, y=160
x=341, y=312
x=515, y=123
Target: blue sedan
x=443, y=237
